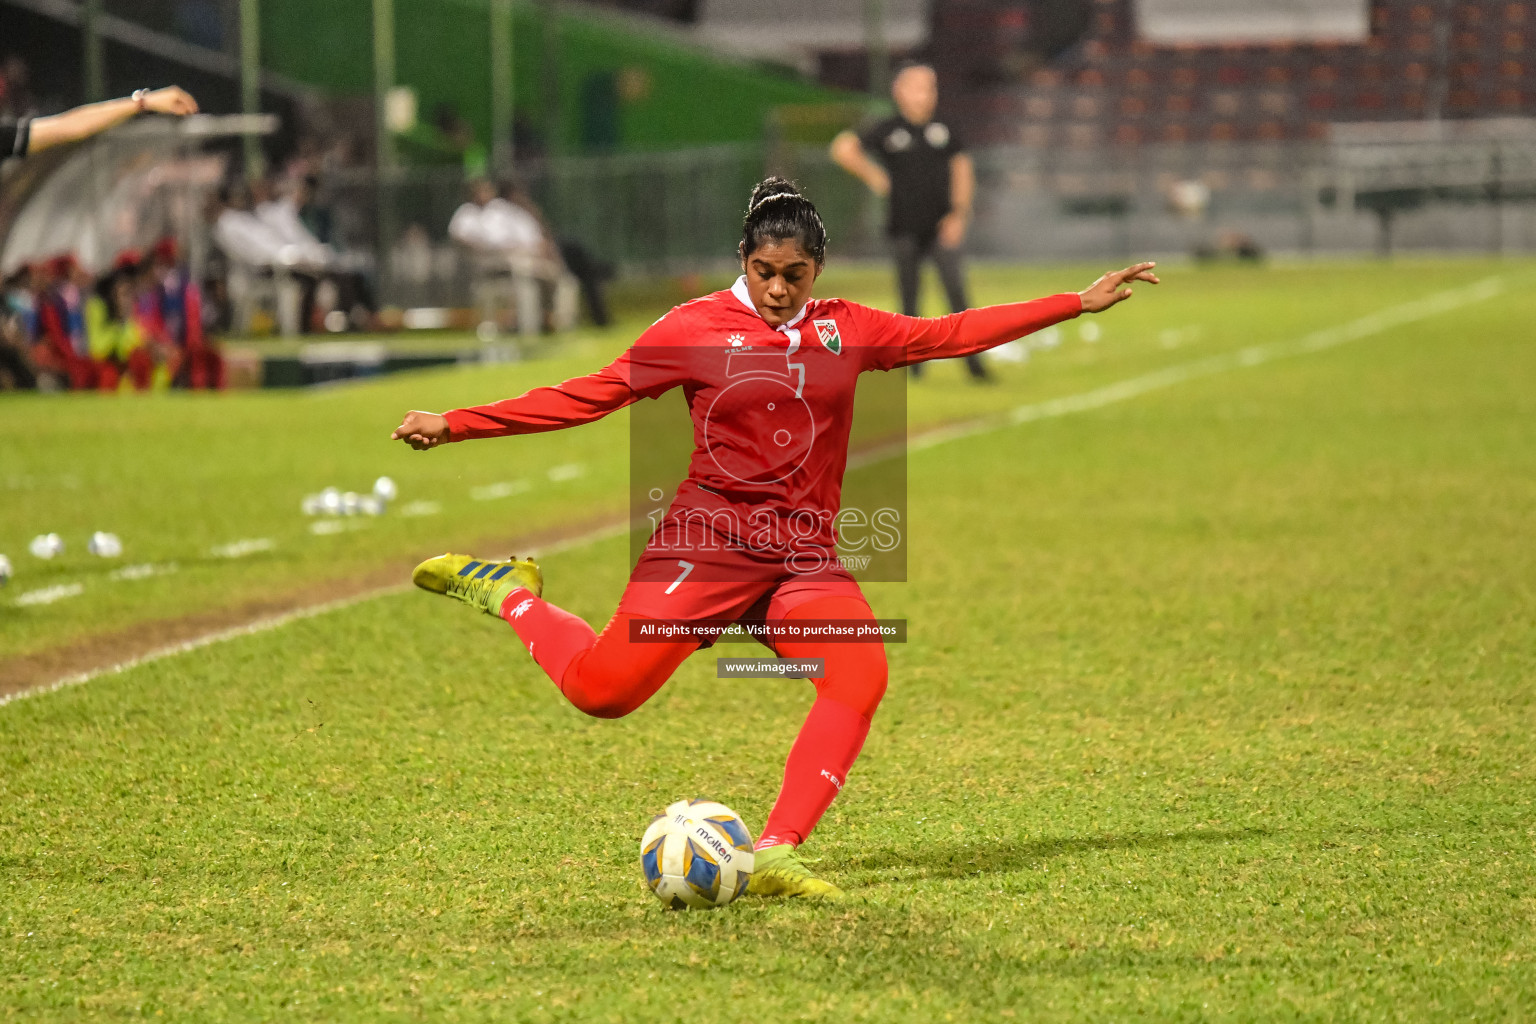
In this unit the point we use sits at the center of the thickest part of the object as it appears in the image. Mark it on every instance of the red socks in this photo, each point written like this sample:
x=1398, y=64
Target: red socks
x=605, y=676
x=610, y=676
x=552, y=635
x=828, y=744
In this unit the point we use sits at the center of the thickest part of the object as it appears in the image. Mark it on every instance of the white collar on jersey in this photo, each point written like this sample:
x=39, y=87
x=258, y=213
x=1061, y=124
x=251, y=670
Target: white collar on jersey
x=739, y=289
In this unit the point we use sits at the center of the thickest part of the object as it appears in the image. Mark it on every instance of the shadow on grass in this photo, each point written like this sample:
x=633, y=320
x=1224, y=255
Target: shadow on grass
x=959, y=859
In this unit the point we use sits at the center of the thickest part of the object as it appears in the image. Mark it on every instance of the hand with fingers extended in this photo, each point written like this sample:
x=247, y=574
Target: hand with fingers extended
x=1111, y=288
x=422, y=430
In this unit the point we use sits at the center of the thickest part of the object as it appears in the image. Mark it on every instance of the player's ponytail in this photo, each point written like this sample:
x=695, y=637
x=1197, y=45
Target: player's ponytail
x=778, y=211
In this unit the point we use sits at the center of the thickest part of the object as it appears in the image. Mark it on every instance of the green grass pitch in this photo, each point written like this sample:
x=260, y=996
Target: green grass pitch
x=1218, y=702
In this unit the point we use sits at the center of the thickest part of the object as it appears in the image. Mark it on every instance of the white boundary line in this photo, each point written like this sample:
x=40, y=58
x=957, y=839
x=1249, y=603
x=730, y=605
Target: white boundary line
x=273, y=622
x=1133, y=387
x=171, y=650
x=1253, y=355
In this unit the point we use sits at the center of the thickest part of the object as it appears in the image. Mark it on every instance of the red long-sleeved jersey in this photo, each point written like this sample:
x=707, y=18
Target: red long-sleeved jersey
x=772, y=408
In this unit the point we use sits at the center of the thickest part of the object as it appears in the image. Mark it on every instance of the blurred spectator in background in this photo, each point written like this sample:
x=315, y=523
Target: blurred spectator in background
x=62, y=348
x=255, y=251
x=509, y=235
x=279, y=207
x=118, y=344
x=457, y=136
x=278, y=211
x=176, y=310
x=510, y=254
x=141, y=323
x=921, y=166
x=318, y=218
x=489, y=224
x=18, y=319
x=590, y=271
x=267, y=238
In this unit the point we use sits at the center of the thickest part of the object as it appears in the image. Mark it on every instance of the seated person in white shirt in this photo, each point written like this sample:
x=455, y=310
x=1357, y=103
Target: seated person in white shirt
x=278, y=210
x=508, y=239
x=492, y=226
x=280, y=214
x=248, y=240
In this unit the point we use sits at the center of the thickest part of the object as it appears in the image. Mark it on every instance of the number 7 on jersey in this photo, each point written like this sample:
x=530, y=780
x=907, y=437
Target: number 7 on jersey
x=687, y=568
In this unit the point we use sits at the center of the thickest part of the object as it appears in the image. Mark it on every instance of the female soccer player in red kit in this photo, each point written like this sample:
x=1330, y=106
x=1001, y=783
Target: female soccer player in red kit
x=769, y=376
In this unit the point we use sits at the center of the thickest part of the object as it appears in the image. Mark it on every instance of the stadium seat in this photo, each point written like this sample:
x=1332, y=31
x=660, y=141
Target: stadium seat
x=1147, y=92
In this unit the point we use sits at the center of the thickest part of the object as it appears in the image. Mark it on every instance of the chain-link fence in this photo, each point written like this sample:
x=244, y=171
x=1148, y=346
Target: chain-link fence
x=662, y=213
x=1461, y=187
x=679, y=212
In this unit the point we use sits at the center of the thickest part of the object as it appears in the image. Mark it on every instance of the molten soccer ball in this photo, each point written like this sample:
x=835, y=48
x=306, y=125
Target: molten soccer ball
x=696, y=854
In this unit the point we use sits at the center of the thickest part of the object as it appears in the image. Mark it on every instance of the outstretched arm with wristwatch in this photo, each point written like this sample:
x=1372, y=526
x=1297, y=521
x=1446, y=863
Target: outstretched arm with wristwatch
x=93, y=118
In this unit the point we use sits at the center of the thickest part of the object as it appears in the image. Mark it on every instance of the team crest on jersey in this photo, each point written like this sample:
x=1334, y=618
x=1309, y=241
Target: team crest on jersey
x=826, y=330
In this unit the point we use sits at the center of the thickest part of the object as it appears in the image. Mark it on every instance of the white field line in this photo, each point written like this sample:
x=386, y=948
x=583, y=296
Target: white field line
x=48, y=595
x=331, y=527
x=274, y=621
x=242, y=548
x=1254, y=355
x=504, y=489
x=142, y=572
x=208, y=639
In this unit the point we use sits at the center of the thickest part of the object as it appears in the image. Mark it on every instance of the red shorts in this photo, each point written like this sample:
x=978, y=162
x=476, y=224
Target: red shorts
x=728, y=585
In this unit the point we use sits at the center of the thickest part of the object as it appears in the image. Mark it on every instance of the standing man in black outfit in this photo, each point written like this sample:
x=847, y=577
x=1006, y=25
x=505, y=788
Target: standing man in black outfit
x=931, y=181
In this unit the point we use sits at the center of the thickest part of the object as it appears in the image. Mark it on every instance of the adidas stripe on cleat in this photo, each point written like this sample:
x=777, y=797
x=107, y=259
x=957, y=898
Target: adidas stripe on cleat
x=481, y=582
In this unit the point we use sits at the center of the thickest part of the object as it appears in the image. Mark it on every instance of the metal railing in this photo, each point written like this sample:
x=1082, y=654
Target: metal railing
x=1461, y=187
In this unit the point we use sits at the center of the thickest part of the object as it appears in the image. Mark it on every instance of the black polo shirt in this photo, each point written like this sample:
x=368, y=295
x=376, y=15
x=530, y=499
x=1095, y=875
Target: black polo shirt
x=917, y=159
x=15, y=134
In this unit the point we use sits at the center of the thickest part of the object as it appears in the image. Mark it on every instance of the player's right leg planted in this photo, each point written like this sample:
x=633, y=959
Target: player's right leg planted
x=823, y=753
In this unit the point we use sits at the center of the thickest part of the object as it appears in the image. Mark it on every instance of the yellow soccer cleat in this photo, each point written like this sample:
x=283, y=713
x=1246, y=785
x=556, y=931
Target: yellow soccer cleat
x=479, y=582
x=779, y=871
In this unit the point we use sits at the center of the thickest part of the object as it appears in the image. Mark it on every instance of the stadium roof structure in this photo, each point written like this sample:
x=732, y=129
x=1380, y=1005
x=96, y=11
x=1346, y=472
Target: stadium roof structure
x=795, y=31
x=1217, y=22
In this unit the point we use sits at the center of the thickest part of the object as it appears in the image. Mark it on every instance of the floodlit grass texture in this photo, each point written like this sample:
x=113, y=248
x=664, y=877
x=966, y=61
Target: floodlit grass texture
x=1218, y=704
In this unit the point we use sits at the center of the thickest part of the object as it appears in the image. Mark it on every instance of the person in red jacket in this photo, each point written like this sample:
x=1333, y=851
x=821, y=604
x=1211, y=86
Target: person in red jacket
x=177, y=313
x=62, y=348
x=769, y=374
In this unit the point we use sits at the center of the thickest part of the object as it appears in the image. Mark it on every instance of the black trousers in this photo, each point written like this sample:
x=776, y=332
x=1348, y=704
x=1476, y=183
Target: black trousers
x=911, y=252
x=592, y=273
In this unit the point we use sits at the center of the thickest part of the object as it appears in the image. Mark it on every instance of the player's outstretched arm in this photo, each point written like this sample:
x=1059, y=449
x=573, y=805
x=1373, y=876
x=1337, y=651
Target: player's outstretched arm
x=422, y=430
x=572, y=403
x=650, y=363
x=1112, y=289
x=94, y=118
x=919, y=339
